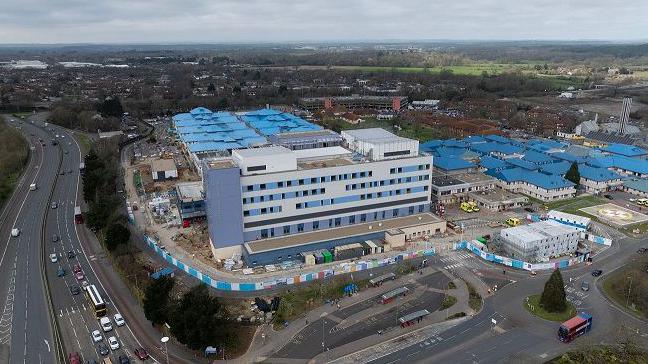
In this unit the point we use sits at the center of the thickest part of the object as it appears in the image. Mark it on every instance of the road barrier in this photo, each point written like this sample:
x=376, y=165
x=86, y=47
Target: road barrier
x=268, y=283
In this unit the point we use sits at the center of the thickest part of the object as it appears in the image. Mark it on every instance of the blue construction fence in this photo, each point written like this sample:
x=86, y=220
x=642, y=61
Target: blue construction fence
x=267, y=283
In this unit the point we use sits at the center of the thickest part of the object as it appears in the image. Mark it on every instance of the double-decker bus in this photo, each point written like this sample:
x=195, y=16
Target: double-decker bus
x=575, y=327
x=78, y=216
x=96, y=302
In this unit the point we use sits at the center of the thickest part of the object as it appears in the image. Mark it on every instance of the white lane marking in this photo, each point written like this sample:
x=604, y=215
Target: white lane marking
x=48, y=346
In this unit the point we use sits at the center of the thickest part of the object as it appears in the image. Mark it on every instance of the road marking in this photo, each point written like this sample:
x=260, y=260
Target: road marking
x=48, y=346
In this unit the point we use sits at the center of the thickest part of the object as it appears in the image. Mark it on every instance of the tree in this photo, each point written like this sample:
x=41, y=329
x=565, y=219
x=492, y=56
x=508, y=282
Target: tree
x=573, y=174
x=116, y=234
x=111, y=106
x=211, y=87
x=196, y=320
x=157, y=299
x=553, y=297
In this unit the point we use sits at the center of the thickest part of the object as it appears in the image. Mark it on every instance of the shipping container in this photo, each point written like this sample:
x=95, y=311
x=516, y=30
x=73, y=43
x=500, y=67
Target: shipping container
x=319, y=258
x=309, y=259
x=328, y=257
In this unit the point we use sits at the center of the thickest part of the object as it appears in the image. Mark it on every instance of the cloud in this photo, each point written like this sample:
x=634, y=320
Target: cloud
x=118, y=21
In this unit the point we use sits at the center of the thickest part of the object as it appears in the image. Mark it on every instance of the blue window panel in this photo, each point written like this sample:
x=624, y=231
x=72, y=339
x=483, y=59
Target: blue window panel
x=291, y=194
x=418, y=189
x=346, y=199
x=169, y=258
x=564, y=263
x=277, y=196
x=271, y=185
x=225, y=286
x=517, y=264
x=247, y=286
x=193, y=272
x=325, y=202
x=410, y=169
x=181, y=266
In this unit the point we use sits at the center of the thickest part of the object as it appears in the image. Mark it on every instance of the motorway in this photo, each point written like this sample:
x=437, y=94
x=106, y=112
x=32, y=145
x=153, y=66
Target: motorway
x=26, y=329
x=519, y=335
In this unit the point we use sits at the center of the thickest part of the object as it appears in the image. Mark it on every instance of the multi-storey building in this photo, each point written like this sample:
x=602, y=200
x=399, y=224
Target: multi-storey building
x=267, y=203
x=395, y=103
x=540, y=241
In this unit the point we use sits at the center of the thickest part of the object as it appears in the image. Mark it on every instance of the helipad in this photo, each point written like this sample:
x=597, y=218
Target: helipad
x=615, y=215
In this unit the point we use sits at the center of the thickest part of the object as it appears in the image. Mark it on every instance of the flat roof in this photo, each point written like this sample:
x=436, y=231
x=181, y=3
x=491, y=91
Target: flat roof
x=188, y=191
x=163, y=165
x=374, y=135
x=318, y=153
x=220, y=163
x=262, y=152
x=324, y=163
x=444, y=181
x=473, y=177
x=498, y=195
x=312, y=237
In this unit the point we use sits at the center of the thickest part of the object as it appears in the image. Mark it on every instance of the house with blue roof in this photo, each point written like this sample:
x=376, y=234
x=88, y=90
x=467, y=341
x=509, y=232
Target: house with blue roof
x=627, y=166
x=496, y=149
x=626, y=150
x=637, y=187
x=451, y=165
x=558, y=168
x=491, y=163
x=536, y=157
x=518, y=162
x=598, y=179
x=544, y=187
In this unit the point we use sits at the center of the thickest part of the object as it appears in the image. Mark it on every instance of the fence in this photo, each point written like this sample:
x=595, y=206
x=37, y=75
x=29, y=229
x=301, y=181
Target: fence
x=267, y=283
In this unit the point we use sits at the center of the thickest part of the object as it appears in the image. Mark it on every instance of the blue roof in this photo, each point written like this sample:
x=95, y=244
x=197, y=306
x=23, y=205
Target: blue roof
x=489, y=162
x=430, y=145
x=625, y=150
x=493, y=147
x=452, y=163
x=517, y=162
x=545, y=143
x=536, y=157
x=545, y=181
x=629, y=164
x=558, y=168
x=638, y=184
x=569, y=157
x=597, y=173
x=271, y=122
x=474, y=139
x=497, y=138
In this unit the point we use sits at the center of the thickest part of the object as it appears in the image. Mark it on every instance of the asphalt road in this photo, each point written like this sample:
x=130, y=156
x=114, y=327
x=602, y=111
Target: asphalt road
x=522, y=337
x=26, y=334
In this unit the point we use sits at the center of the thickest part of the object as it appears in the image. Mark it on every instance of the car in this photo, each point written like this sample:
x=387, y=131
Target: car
x=79, y=276
x=123, y=359
x=74, y=358
x=105, y=323
x=15, y=232
x=597, y=272
x=76, y=268
x=609, y=197
x=103, y=349
x=96, y=336
x=54, y=205
x=585, y=286
x=55, y=238
x=141, y=354
x=85, y=284
x=53, y=258
x=119, y=320
x=75, y=290
x=114, y=344
x=71, y=255
x=60, y=272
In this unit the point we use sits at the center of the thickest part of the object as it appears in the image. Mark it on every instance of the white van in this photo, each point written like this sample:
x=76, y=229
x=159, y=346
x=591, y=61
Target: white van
x=32, y=187
x=15, y=232
x=105, y=323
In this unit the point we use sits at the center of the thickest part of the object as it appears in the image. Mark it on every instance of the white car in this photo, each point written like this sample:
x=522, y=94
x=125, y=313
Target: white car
x=105, y=323
x=53, y=258
x=15, y=232
x=119, y=320
x=114, y=344
x=96, y=336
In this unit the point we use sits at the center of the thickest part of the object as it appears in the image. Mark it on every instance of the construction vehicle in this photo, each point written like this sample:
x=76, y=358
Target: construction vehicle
x=642, y=202
x=513, y=221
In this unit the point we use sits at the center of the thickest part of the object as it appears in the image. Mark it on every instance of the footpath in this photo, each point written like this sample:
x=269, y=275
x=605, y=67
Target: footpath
x=267, y=341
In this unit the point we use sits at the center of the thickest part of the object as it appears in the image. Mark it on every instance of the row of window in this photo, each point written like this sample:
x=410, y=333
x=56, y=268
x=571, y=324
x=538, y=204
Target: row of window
x=335, y=222
x=306, y=181
x=387, y=182
x=262, y=211
x=407, y=169
x=353, y=198
x=284, y=196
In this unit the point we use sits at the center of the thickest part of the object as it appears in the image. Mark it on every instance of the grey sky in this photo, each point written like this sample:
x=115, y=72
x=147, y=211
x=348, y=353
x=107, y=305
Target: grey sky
x=116, y=21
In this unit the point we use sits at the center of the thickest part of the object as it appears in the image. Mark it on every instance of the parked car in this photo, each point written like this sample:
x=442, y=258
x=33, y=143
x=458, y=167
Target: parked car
x=55, y=238
x=54, y=205
x=119, y=320
x=60, y=272
x=103, y=349
x=96, y=336
x=609, y=197
x=79, y=276
x=597, y=272
x=141, y=354
x=123, y=359
x=74, y=358
x=15, y=232
x=114, y=344
x=585, y=286
x=76, y=268
x=53, y=258
x=71, y=255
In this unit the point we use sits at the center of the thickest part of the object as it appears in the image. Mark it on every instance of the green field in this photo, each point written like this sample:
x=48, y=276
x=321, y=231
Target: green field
x=470, y=70
x=574, y=205
x=533, y=306
x=628, y=286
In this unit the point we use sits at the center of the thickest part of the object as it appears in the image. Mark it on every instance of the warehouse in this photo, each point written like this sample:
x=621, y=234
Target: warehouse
x=540, y=241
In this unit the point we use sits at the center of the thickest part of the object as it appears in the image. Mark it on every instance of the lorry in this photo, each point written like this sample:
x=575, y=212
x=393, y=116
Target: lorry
x=32, y=187
x=575, y=327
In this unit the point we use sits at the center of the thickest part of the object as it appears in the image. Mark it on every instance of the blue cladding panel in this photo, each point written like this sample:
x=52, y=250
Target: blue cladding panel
x=224, y=206
x=247, y=286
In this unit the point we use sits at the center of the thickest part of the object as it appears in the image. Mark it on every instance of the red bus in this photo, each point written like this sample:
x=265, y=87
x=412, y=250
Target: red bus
x=78, y=216
x=575, y=327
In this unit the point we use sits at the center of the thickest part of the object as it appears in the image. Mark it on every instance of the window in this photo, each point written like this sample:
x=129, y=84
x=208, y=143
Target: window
x=315, y=225
x=298, y=206
x=333, y=178
x=363, y=217
x=288, y=183
x=375, y=215
x=271, y=197
x=272, y=232
x=301, y=182
x=382, y=183
x=246, y=213
x=313, y=180
x=338, y=221
x=392, y=170
x=261, y=198
x=354, y=175
x=256, y=168
x=244, y=200
x=394, y=212
x=400, y=169
x=411, y=210
x=305, y=193
x=286, y=229
x=280, y=184
x=264, y=211
x=262, y=186
x=264, y=233
x=300, y=227
x=322, y=190
x=370, y=173
x=351, y=219
x=363, y=174
x=250, y=188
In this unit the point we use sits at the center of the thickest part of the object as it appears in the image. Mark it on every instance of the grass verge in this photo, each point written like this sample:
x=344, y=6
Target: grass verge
x=532, y=304
x=474, y=298
x=448, y=302
x=456, y=315
x=452, y=285
x=628, y=287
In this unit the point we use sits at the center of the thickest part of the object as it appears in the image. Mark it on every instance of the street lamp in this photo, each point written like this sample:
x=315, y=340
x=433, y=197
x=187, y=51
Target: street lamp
x=164, y=340
x=629, y=288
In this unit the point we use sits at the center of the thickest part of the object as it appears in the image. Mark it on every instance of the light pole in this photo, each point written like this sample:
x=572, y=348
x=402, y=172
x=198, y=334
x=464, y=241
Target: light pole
x=164, y=340
x=629, y=288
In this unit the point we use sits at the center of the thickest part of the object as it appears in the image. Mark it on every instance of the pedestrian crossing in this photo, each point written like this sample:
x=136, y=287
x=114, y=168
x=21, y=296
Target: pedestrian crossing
x=458, y=259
